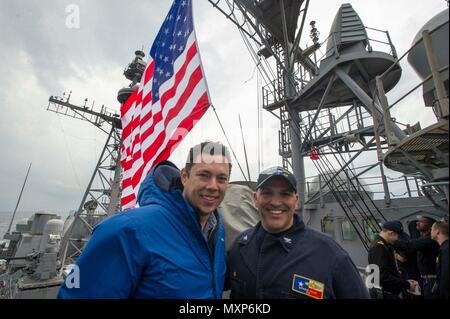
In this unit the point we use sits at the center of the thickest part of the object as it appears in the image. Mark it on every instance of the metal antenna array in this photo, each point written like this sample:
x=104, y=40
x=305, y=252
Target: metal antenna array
x=328, y=105
x=102, y=195
x=272, y=31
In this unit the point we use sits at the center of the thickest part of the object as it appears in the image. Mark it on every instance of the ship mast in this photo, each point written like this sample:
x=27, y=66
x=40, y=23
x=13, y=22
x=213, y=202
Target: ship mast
x=102, y=196
x=329, y=106
x=101, y=192
x=275, y=29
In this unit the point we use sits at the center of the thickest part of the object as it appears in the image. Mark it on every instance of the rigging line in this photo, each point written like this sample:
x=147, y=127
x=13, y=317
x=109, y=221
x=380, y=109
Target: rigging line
x=359, y=183
x=249, y=47
x=228, y=141
x=68, y=153
x=341, y=124
x=357, y=205
x=335, y=194
x=253, y=74
x=228, y=16
x=348, y=177
x=245, y=149
x=352, y=173
x=250, y=24
x=365, y=191
x=269, y=68
x=345, y=171
x=257, y=59
x=338, y=199
x=83, y=117
x=363, y=200
x=355, y=224
x=271, y=48
x=300, y=130
x=331, y=126
x=18, y=200
x=263, y=72
x=258, y=114
x=348, y=194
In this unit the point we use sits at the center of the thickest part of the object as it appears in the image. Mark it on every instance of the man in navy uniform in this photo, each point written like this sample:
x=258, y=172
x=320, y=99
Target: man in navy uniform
x=281, y=257
x=439, y=233
x=381, y=253
x=427, y=251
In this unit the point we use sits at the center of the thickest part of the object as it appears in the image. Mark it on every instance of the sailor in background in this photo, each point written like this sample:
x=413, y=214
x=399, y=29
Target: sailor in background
x=407, y=265
x=281, y=257
x=439, y=233
x=427, y=251
x=173, y=246
x=381, y=253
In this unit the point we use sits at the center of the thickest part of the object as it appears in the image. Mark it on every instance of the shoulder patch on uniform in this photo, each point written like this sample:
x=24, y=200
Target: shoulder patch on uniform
x=308, y=287
x=380, y=242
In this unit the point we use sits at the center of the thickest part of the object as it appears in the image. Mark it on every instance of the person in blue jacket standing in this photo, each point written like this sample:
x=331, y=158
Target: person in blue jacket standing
x=172, y=246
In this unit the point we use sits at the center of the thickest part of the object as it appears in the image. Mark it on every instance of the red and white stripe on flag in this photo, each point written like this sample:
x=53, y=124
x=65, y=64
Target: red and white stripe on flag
x=171, y=98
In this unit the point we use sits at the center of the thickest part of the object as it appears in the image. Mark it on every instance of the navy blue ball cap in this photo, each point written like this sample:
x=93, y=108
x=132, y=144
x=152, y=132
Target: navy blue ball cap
x=394, y=225
x=276, y=171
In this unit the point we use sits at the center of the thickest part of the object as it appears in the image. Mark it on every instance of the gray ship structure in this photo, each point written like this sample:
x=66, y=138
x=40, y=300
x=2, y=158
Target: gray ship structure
x=332, y=108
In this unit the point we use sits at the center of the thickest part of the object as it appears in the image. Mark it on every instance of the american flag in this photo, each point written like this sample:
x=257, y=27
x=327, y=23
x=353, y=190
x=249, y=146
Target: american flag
x=171, y=98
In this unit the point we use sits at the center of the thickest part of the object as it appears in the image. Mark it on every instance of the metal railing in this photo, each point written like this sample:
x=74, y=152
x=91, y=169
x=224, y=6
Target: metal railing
x=374, y=36
x=441, y=109
x=373, y=184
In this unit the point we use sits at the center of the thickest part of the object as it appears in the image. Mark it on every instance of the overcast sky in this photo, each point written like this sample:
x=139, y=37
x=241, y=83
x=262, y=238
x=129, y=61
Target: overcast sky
x=40, y=56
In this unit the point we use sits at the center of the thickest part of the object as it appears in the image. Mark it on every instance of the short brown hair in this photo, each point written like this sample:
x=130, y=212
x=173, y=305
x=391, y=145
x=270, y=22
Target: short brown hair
x=429, y=220
x=442, y=226
x=207, y=148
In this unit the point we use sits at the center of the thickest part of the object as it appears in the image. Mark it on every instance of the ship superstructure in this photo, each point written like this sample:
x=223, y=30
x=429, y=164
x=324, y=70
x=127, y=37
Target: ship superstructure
x=332, y=108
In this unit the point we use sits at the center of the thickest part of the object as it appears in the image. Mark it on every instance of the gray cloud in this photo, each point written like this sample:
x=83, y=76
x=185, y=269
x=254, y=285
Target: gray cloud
x=40, y=57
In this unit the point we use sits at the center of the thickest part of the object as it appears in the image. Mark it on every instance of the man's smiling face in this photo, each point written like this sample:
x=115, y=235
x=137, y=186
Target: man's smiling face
x=276, y=201
x=206, y=183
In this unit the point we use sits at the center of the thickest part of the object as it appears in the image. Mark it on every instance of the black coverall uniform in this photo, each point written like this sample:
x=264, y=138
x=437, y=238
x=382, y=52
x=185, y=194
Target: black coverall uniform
x=298, y=263
x=381, y=254
x=442, y=270
x=427, y=251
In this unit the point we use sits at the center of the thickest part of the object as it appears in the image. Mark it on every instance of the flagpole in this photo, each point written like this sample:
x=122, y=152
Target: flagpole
x=18, y=200
x=198, y=51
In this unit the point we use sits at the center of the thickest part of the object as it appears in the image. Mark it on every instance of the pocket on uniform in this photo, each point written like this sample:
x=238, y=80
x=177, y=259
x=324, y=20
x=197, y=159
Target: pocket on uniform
x=238, y=289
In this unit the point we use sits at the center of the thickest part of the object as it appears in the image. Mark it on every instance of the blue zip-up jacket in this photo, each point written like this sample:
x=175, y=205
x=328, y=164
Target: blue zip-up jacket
x=155, y=251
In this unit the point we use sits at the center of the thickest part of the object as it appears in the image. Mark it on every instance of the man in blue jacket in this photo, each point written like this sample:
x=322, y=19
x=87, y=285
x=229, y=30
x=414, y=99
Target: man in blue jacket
x=281, y=257
x=172, y=246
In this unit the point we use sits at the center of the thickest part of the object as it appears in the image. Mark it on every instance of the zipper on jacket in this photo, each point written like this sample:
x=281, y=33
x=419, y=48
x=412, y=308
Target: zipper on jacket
x=211, y=256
